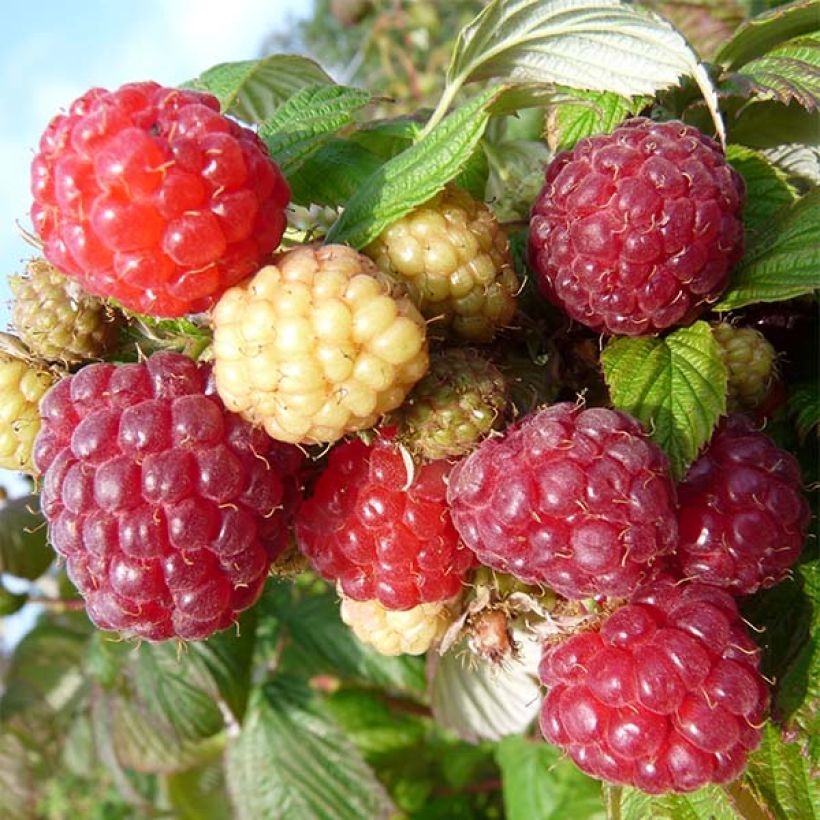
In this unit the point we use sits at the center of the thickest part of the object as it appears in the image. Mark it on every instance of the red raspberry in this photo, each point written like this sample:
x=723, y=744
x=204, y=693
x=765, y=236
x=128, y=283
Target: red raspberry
x=580, y=500
x=636, y=230
x=149, y=195
x=666, y=697
x=743, y=518
x=377, y=537
x=167, y=508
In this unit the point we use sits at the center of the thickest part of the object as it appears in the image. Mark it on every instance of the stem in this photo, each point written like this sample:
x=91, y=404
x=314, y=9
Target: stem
x=441, y=109
x=58, y=604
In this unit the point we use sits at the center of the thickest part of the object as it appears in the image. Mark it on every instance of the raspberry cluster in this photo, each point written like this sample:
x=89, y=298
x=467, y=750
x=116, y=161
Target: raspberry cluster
x=382, y=532
x=167, y=508
x=149, y=195
x=743, y=518
x=637, y=230
x=667, y=696
x=580, y=500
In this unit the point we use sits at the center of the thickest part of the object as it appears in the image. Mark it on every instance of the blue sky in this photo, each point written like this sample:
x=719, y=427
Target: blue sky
x=51, y=52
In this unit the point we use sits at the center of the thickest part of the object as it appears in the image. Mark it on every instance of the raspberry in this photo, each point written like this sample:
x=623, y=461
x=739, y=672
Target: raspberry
x=580, y=500
x=22, y=385
x=749, y=360
x=149, y=195
x=396, y=632
x=456, y=404
x=381, y=535
x=743, y=518
x=666, y=697
x=637, y=230
x=167, y=508
x=456, y=261
x=318, y=345
x=57, y=320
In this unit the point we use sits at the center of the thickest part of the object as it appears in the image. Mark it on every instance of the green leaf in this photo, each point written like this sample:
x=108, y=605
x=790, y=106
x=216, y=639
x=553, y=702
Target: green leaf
x=762, y=33
x=289, y=761
x=11, y=602
x=479, y=700
x=413, y=176
x=322, y=644
x=780, y=774
x=788, y=72
x=17, y=786
x=253, y=89
x=675, y=385
x=539, y=782
x=581, y=114
x=199, y=793
x=800, y=162
x=767, y=187
x=474, y=174
x=594, y=45
x=784, y=259
x=24, y=550
x=300, y=126
x=804, y=407
x=709, y=803
x=333, y=174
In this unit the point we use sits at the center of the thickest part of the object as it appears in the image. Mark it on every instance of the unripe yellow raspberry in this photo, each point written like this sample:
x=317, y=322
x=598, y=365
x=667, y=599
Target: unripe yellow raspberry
x=750, y=363
x=456, y=261
x=317, y=345
x=393, y=632
x=22, y=385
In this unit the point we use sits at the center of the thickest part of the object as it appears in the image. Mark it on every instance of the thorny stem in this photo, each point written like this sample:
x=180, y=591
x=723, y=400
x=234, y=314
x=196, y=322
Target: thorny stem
x=58, y=604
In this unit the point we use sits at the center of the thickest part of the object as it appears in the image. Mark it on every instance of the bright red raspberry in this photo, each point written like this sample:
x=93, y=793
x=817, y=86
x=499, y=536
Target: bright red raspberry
x=637, y=230
x=580, y=500
x=666, y=697
x=379, y=534
x=167, y=508
x=149, y=195
x=742, y=515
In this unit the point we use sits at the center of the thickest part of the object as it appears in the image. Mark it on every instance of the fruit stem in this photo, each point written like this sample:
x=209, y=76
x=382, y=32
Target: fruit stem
x=441, y=109
x=58, y=604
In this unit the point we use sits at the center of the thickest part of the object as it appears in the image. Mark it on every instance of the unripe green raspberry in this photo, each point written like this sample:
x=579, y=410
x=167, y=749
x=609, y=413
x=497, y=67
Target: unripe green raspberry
x=57, y=320
x=22, y=385
x=750, y=363
x=393, y=632
x=459, y=401
x=456, y=261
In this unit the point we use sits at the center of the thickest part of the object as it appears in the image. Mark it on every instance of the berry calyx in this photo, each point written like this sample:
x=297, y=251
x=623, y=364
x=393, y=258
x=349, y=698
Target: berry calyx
x=149, y=195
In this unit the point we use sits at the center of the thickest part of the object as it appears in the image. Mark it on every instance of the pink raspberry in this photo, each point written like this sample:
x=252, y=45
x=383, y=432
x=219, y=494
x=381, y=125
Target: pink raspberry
x=149, y=195
x=637, y=230
x=379, y=534
x=580, y=500
x=167, y=508
x=743, y=518
x=666, y=697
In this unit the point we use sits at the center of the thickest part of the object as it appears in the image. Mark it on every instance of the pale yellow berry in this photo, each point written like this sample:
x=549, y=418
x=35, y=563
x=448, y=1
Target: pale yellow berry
x=455, y=259
x=22, y=385
x=392, y=632
x=320, y=344
x=750, y=364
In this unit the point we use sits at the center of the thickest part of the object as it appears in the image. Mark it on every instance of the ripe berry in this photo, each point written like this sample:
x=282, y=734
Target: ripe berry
x=396, y=632
x=149, y=195
x=459, y=401
x=22, y=385
x=637, y=230
x=750, y=363
x=743, y=517
x=456, y=262
x=580, y=500
x=381, y=533
x=667, y=696
x=167, y=509
x=317, y=345
x=57, y=320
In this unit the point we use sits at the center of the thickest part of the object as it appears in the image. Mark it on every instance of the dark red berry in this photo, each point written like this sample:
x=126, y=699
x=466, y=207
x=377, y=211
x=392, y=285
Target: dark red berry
x=149, y=195
x=637, y=230
x=743, y=517
x=580, y=500
x=167, y=508
x=667, y=696
x=378, y=534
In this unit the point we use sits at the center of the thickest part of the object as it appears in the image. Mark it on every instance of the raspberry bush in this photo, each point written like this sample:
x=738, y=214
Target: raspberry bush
x=384, y=437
